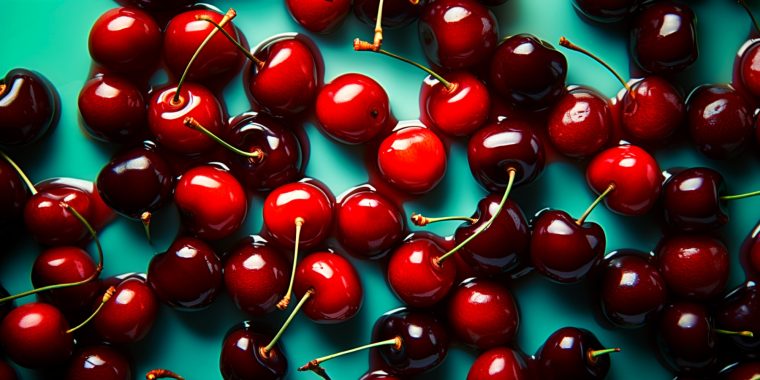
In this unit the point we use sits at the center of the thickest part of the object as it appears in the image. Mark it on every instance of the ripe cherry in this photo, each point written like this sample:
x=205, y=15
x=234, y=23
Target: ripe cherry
x=242, y=356
x=335, y=290
x=48, y=216
x=353, y=108
x=29, y=107
x=749, y=254
x=500, y=363
x=100, y=362
x=692, y=200
x=255, y=275
x=749, y=72
x=663, y=37
x=378, y=374
x=739, y=310
x=580, y=122
x=483, y=314
x=606, y=10
x=125, y=40
x=694, y=267
x=415, y=277
x=62, y=265
x=720, y=121
x=129, y=317
x=368, y=224
x=573, y=353
x=408, y=146
x=113, y=109
x=317, y=16
x=396, y=13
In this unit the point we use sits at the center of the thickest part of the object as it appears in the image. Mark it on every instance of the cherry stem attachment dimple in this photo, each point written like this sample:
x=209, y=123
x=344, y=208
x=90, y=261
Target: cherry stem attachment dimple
x=265, y=350
x=512, y=172
x=162, y=374
x=593, y=205
x=107, y=296
x=566, y=43
x=227, y=17
x=237, y=43
x=739, y=196
x=449, y=86
x=749, y=12
x=283, y=304
x=421, y=221
x=256, y=154
x=745, y=333
x=20, y=172
x=314, y=365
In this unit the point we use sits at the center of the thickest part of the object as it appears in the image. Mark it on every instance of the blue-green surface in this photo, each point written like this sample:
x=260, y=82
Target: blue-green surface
x=50, y=36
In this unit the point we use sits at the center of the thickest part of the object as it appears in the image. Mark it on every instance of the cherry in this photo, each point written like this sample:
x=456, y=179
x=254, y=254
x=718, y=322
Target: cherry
x=580, y=122
x=29, y=107
x=573, y=353
x=528, y=71
x=319, y=16
x=188, y=275
x=483, y=314
x=606, y=10
x=663, y=37
x=101, y=214
x=130, y=316
x=720, y=121
x=686, y=337
x=242, y=357
x=417, y=146
x=632, y=289
x=368, y=224
x=333, y=284
x=378, y=375
x=415, y=277
x=749, y=254
x=211, y=202
x=99, y=362
x=48, y=216
x=500, y=363
x=13, y=196
x=635, y=175
x=741, y=371
x=352, y=109
x=60, y=265
x=125, y=40
x=748, y=71
x=694, y=267
x=692, y=200
x=456, y=34
x=396, y=13
x=113, y=109
x=739, y=310
x=255, y=275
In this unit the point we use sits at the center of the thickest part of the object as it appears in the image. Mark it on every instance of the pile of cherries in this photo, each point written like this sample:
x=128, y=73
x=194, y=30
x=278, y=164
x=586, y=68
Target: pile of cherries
x=508, y=98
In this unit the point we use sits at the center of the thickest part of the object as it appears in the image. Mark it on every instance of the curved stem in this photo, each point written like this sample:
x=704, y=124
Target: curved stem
x=227, y=17
x=265, y=351
x=449, y=86
x=242, y=48
x=739, y=196
x=566, y=43
x=257, y=153
x=594, y=204
x=162, y=374
x=749, y=12
x=744, y=333
x=145, y=220
x=314, y=365
x=512, y=173
x=421, y=221
x=20, y=172
x=107, y=296
x=283, y=304
x=592, y=355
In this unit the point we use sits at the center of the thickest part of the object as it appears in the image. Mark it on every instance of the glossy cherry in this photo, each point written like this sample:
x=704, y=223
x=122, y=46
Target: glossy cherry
x=100, y=213
x=500, y=363
x=580, y=122
x=573, y=353
x=34, y=336
x=720, y=121
x=747, y=370
x=125, y=40
x=686, y=337
x=663, y=37
x=368, y=224
x=408, y=146
x=298, y=200
x=694, y=267
x=353, y=108
x=739, y=310
x=211, y=202
x=319, y=16
x=337, y=291
x=29, y=107
x=606, y=10
x=113, y=109
x=66, y=264
x=483, y=314
x=50, y=222
x=255, y=275
x=378, y=374
x=13, y=196
x=692, y=200
x=396, y=13
x=749, y=253
x=415, y=277
x=129, y=316
x=100, y=362
x=241, y=357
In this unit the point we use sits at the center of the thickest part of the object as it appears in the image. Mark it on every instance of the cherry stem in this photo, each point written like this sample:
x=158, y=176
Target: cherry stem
x=265, y=351
x=377, y=42
x=755, y=377
x=449, y=86
x=145, y=219
x=256, y=154
x=421, y=221
x=285, y=301
x=237, y=43
x=162, y=374
x=20, y=172
x=744, y=333
x=512, y=173
x=594, y=204
x=314, y=364
x=593, y=355
x=227, y=17
x=566, y=43
x=107, y=296
x=749, y=12
x=739, y=196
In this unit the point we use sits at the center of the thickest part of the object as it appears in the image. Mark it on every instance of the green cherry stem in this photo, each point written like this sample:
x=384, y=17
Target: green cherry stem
x=283, y=304
x=594, y=204
x=20, y=172
x=237, y=43
x=566, y=43
x=449, y=86
x=107, y=296
x=739, y=196
x=314, y=365
x=593, y=355
x=256, y=154
x=421, y=221
x=749, y=12
x=145, y=218
x=745, y=333
x=264, y=351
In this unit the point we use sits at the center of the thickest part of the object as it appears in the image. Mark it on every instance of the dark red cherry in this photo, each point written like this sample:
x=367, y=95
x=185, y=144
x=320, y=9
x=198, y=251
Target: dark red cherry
x=691, y=200
x=113, y=109
x=255, y=275
x=338, y=292
x=606, y=10
x=29, y=107
x=125, y=40
x=632, y=289
x=319, y=16
x=66, y=264
x=13, y=197
x=211, y=202
x=694, y=267
x=100, y=214
x=188, y=275
x=7, y=372
x=483, y=314
x=50, y=223
x=749, y=72
x=160, y=5
x=415, y=277
x=353, y=108
x=580, y=122
x=285, y=204
x=686, y=337
x=652, y=110
x=424, y=341
x=378, y=374
x=415, y=146
x=499, y=146
x=749, y=254
x=739, y=310
x=741, y=371
x=500, y=363
x=128, y=317
x=396, y=13
x=720, y=121
x=456, y=34
x=634, y=173
x=573, y=353
x=99, y=362
x=242, y=359
x=460, y=108
x=34, y=336
x=368, y=224
x=528, y=71
x=663, y=37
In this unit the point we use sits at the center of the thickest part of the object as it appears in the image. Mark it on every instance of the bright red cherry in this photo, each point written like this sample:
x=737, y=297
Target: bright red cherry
x=50, y=222
x=29, y=107
x=285, y=205
x=483, y=314
x=663, y=37
x=255, y=275
x=573, y=353
x=720, y=121
x=337, y=292
x=368, y=224
x=694, y=267
x=35, y=335
x=129, y=317
x=113, y=109
x=211, y=202
x=66, y=264
x=412, y=146
x=606, y=10
x=99, y=362
x=125, y=40
x=414, y=275
x=580, y=122
x=100, y=215
x=500, y=363
x=632, y=288
x=319, y=16
x=242, y=356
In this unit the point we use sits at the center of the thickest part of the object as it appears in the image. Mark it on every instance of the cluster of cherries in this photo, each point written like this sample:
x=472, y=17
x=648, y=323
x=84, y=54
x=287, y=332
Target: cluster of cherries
x=508, y=97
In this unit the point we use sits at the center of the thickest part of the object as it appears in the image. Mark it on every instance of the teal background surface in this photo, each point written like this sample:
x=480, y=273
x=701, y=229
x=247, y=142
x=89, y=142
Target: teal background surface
x=50, y=36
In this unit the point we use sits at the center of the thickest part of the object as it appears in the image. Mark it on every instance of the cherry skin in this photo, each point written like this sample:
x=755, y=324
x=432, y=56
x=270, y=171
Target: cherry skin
x=396, y=13
x=632, y=289
x=13, y=197
x=368, y=224
x=748, y=70
x=255, y=275
x=742, y=371
x=653, y=111
x=319, y=16
x=691, y=200
x=99, y=362
x=113, y=109
x=211, y=202
x=739, y=310
x=34, y=336
x=461, y=110
x=456, y=34
x=686, y=337
x=99, y=214
x=412, y=146
x=353, y=108
x=580, y=123
x=567, y=354
x=128, y=317
x=414, y=276
x=694, y=267
x=7, y=372
x=528, y=71
x=564, y=251
x=338, y=292
x=378, y=375
x=29, y=107
x=663, y=37
x=125, y=40
x=635, y=174
x=500, y=363
x=483, y=314
x=298, y=200
x=606, y=10
x=720, y=121
x=241, y=356
x=66, y=264
x=50, y=223
x=749, y=254
x=188, y=275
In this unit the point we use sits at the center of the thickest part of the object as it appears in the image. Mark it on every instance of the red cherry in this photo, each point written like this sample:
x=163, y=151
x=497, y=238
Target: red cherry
x=720, y=121
x=255, y=275
x=29, y=107
x=378, y=374
x=368, y=224
x=415, y=277
x=337, y=290
x=101, y=214
x=125, y=40
x=500, y=363
x=129, y=317
x=686, y=337
x=319, y=16
x=61, y=265
x=412, y=146
x=606, y=10
x=664, y=37
x=694, y=267
x=573, y=353
x=48, y=220
x=632, y=289
x=296, y=200
x=242, y=356
x=483, y=314
x=460, y=108
x=353, y=108
x=211, y=202
x=580, y=122
x=749, y=254
x=99, y=362
x=35, y=335
x=113, y=109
